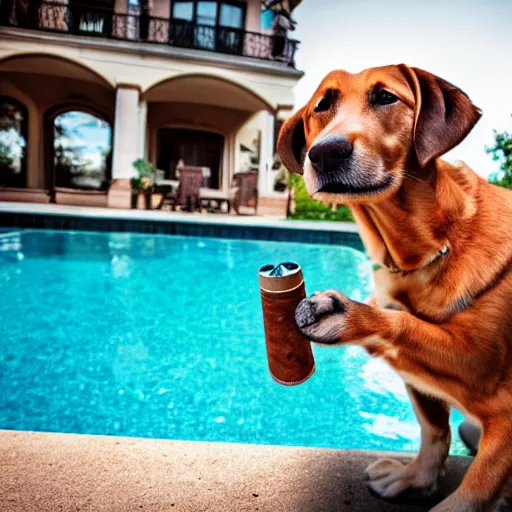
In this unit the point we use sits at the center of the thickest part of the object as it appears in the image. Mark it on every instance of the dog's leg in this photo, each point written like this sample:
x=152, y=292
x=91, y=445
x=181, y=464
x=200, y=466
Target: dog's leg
x=487, y=475
x=390, y=477
x=441, y=357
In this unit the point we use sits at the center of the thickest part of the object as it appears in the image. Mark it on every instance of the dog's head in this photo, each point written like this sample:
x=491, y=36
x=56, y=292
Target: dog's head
x=359, y=133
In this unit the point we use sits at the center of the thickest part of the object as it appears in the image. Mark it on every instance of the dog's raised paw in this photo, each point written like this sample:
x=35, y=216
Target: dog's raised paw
x=305, y=314
x=321, y=317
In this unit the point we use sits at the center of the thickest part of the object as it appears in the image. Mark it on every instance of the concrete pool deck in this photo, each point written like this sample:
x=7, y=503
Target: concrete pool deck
x=47, y=472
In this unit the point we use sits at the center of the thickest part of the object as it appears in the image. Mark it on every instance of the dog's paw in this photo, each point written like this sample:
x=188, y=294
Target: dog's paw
x=389, y=477
x=322, y=317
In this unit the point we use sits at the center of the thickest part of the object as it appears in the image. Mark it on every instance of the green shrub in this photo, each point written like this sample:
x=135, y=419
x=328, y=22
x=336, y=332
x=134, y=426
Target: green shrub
x=144, y=168
x=502, y=152
x=136, y=184
x=309, y=209
x=145, y=178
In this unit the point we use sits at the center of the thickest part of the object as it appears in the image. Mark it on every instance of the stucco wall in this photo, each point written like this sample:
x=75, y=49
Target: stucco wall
x=147, y=70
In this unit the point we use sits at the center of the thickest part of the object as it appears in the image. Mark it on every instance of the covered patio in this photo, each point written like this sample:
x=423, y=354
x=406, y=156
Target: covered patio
x=67, y=136
x=213, y=124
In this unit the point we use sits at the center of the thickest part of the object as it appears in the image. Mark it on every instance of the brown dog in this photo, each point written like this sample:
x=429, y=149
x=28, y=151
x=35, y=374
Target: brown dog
x=442, y=312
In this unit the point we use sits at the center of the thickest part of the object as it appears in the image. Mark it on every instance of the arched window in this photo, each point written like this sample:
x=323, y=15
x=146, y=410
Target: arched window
x=13, y=143
x=82, y=146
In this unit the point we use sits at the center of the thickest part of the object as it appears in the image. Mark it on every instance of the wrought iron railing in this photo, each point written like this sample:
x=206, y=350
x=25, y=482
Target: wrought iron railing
x=76, y=19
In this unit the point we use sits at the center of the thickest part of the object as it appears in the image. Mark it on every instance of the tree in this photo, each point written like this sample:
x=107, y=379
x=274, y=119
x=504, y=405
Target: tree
x=502, y=152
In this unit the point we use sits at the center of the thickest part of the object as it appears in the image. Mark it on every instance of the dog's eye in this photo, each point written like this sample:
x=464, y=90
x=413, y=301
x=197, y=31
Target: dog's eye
x=382, y=97
x=325, y=103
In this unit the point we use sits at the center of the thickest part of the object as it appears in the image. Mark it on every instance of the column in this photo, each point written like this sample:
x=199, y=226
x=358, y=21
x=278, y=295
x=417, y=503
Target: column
x=266, y=176
x=253, y=16
x=125, y=147
x=270, y=134
x=142, y=130
x=227, y=167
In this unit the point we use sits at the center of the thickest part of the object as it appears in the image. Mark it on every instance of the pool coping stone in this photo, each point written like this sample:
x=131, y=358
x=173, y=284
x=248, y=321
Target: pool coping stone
x=51, y=472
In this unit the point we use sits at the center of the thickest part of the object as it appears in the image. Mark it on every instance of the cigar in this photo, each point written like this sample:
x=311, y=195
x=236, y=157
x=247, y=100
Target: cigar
x=290, y=359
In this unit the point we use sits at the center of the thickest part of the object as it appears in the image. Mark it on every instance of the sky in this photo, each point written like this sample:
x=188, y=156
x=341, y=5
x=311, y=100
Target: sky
x=87, y=133
x=467, y=42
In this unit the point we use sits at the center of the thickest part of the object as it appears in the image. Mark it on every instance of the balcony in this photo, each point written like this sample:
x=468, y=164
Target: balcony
x=92, y=21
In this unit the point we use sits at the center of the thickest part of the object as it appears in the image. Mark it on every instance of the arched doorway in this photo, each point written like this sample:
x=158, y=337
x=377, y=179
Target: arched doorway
x=50, y=85
x=13, y=143
x=81, y=148
x=191, y=147
x=196, y=118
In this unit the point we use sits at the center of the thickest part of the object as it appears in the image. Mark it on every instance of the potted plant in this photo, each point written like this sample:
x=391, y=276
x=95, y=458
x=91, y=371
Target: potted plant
x=145, y=180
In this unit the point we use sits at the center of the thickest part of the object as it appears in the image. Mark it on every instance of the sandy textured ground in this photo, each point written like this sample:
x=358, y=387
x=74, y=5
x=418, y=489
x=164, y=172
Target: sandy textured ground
x=66, y=472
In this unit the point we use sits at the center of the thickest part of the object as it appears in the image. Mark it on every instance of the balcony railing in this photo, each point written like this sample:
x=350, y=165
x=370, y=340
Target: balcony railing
x=84, y=20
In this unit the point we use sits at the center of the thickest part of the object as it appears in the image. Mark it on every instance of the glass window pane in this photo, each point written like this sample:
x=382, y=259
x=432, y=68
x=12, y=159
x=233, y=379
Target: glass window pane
x=206, y=13
x=231, y=16
x=183, y=10
x=82, y=146
x=267, y=19
x=13, y=143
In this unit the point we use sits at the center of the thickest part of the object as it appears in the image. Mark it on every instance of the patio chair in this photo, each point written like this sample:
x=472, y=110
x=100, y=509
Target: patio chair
x=187, y=195
x=245, y=190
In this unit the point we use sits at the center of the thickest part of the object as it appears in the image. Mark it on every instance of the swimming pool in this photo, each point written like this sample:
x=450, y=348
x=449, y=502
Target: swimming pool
x=162, y=336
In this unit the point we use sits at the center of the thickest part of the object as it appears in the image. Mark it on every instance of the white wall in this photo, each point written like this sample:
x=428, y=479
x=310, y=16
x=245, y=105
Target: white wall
x=147, y=70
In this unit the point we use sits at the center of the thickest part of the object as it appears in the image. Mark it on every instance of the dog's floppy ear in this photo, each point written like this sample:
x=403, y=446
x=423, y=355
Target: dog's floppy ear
x=443, y=114
x=291, y=143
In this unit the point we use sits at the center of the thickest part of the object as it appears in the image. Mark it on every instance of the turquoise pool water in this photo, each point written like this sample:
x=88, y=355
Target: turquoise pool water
x=159, y=336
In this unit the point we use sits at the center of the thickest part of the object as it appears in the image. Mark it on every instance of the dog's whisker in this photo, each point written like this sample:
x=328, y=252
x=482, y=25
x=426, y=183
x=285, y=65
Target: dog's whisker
x=407, y=175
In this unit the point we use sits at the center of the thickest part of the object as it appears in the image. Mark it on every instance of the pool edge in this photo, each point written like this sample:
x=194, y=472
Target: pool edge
x=36, y=216
x=47, y=471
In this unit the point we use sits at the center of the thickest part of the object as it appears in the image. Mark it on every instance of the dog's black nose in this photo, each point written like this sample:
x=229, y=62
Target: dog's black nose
x=327, y=154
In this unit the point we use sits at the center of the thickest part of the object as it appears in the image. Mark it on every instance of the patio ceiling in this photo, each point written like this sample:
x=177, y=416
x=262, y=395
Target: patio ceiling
x=206, y=90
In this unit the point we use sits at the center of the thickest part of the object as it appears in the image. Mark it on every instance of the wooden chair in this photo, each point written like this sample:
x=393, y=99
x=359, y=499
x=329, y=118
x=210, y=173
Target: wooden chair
x=246, y=190
x=187, y=195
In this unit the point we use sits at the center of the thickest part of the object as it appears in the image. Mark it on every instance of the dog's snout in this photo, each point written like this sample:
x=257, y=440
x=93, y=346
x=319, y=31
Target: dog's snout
x=327, y=154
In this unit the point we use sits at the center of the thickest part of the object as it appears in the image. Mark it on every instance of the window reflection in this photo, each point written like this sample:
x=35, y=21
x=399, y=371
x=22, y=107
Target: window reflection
x=231, y=16
x=183, y=11
x=267, y=19
x=206, y=13
x=82, y=147
x=13, y=143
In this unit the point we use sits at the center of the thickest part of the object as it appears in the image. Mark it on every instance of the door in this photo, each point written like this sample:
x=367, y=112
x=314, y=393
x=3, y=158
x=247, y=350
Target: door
x=193, y=147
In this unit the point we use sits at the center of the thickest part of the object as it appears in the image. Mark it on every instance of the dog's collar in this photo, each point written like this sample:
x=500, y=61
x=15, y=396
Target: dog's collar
x=395, y=270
